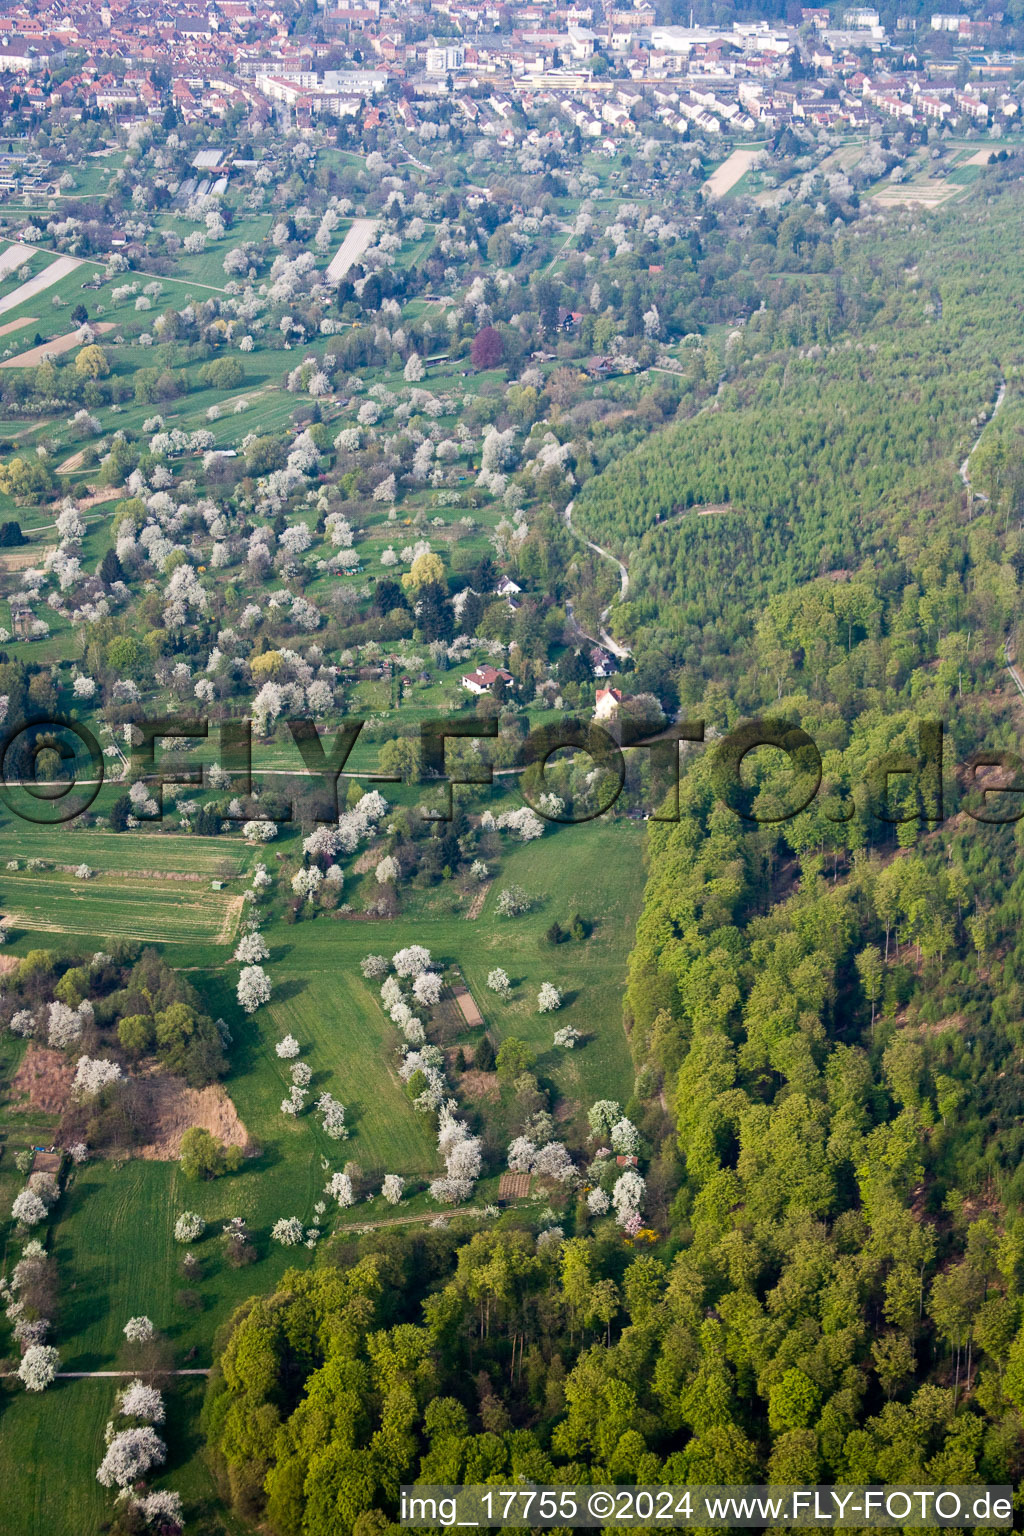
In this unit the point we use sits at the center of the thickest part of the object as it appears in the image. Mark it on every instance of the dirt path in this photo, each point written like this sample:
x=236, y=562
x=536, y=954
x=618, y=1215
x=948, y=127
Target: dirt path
x=405, y=1221
x=965, y=467
x=476, y=906
x=561, y=251
x=200, y=1370
x=1009, y=649
x=1010, y=655
x=352, y=247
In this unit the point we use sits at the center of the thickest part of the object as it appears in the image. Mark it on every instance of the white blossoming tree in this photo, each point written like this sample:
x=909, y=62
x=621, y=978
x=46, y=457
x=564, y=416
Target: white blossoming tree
x=92, y=1075
x=259, y=831
x=628, y=1197
x=388, y=870
x=138, y=1401
x=498, y=981
x=512, y=902
x=625, y=1138
x=189, y=1227
x=554, y=1162
x=39, y=1366
x=522, y=1155
x=548, y=998
x=601, y=1116
x=333, y=1113
x=251, y=949
x=392, y=1188
x=339, y=1187
x=427, y=989
x=253, y=988
x=28, y=1208
x=412, y=961
x=130, y=1455
x=288, y=1230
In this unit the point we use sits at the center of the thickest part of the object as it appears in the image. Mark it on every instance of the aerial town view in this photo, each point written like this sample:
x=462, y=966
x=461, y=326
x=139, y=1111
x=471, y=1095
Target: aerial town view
x=511, y=550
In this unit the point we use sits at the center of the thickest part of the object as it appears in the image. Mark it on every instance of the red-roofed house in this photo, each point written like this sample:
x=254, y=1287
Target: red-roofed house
x=484, y=678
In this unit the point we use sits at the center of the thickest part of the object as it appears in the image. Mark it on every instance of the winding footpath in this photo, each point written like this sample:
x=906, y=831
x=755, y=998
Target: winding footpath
x=1009, y=653
x=965, y=472
x=620, y=651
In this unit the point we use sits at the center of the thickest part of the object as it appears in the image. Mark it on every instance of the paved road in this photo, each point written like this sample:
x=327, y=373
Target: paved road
x=1009, y=651
x=621, y=651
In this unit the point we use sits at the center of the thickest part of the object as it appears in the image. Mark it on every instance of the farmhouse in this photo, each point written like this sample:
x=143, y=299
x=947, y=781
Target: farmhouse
x=484, y=678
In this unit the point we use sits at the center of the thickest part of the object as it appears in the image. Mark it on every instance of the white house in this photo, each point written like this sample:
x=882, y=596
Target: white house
x=607, y=704
x=484, y=678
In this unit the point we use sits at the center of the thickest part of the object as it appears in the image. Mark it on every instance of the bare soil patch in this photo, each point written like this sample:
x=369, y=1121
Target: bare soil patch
x=175, y=1108
x=476, y=906
x=17, y=325
x=513, y=1186
x=481, y=1087
x=20, y=559
x=35, y=355
x=467, y=1007
x=725, y=176
x=44, y=1079
x=231, y=917
x=98, y=494
x=359, y=236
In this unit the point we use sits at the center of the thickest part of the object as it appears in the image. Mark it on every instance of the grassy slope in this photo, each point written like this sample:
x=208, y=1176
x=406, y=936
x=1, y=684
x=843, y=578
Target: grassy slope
x=113, y=1236
x=50, y=1448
